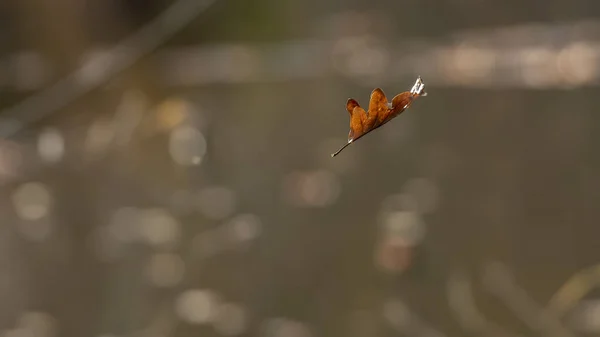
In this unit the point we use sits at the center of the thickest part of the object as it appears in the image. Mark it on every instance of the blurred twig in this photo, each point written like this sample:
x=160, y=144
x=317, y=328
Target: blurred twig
x=100, y=68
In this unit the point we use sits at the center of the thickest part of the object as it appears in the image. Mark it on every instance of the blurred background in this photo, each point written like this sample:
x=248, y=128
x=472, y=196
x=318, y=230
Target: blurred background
x=165, y=169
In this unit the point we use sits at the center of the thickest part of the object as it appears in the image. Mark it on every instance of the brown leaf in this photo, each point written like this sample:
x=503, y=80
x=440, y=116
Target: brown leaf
x=350, y=105
x=380, y=111
x=378, y=107
x=358, y=120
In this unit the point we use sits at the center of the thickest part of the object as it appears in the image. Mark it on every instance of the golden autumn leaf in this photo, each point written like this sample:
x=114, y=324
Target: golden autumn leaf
x=380, y=111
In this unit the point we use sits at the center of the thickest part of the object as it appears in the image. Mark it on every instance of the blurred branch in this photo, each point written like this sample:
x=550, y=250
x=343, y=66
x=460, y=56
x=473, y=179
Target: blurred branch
x=499, y=280
x=100, y=67
x=462, y=302
x=574, y=290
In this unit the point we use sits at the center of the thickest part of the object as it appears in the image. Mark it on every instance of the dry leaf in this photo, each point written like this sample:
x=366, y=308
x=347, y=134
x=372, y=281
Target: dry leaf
x=380, y=111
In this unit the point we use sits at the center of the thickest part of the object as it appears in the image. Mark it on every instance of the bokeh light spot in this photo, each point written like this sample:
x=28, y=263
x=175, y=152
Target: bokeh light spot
x=245, y=227
x=197, y=306
x=187, y=145
x=158, y=227
x=51, y=145
x=577, y=63
x=32, y=201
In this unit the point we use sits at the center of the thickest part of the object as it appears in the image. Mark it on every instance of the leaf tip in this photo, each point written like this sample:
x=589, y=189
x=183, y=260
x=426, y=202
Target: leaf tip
x=419, y=87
